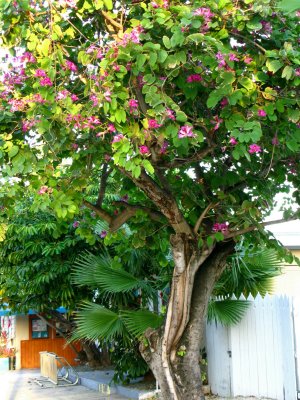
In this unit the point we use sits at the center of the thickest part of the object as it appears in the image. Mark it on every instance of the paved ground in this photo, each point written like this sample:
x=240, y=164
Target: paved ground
x=19, y=385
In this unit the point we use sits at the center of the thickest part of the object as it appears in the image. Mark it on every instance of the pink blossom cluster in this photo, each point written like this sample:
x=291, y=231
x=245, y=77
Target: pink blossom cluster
x=220, y=227
x=233, y=141
x=164, y=147
x=45, y=189
x=117, y=138
x=165, y=4
x=297, y=71
x=70, y=66
x=81, y=122
x=17, y=105
x=170, y=114
x=207, y=15
x=111, y=128
x=266, y=26
x=68, y=3
x=153, y=124
x=28, y=57
x=261, y=113
x=10, y=79
x=76, y=224
x=144, y=149
x=254, y=148
x=186, y=131
x=133, y=106
x=27, y=125
x=96, y=51
x=194, y=78
x=217, y=122
x=94, y=99
x=45, y=80
x=133, y=36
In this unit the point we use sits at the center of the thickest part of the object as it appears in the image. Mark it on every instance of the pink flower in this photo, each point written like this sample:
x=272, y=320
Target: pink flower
x=75, y=224
x=224, y=102
x=275, y=141
x=117, y=138
x=43, y=190
x=297, y=71
x=107, y=95
x=220, y=227
x=94, y=100
x=261, y=113
x=194, y=78
x=40, y=73
x=204, y=12
x=37, y=98
x=103, y=234
x=217, y=122
x=266, y=26
x=233, y=141
x=164, y=147
x=46, y=81
x=170, y=114
x=71, y=66
x=111, y=128
x=63, y=94
x=74, y=97
x=248, y=60
x=116, y=68
x=254, y=148
x=154, y=4
x=153, y=124
x=186, y=131
x=28, y=57
x=133, y=105
x=26, y=125
x=233, y=57
x=144, y=149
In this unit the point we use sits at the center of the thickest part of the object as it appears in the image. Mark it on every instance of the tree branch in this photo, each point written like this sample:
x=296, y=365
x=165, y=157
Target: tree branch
x=254, y=44
x=202, y=216
x=163, y=200
x=99, y=211
x=155, y=215
x=261, y=225
x=103, y=181
x=179, y=162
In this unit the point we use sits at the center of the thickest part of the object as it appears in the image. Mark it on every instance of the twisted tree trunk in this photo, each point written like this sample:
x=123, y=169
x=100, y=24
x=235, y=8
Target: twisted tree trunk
x=173, y=352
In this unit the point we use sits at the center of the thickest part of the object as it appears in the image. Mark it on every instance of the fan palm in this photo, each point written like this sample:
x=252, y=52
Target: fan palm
x=248, y=273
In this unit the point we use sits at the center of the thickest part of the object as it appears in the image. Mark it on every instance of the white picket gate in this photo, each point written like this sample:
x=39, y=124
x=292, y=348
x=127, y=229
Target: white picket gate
x=258, y=357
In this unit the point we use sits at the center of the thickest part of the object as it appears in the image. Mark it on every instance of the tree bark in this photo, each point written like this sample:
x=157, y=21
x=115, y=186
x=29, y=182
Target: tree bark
x=173, y=353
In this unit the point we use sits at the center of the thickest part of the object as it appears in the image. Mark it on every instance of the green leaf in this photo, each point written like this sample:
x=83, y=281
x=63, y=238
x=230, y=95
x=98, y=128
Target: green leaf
x=108, y=4
x=152, y=59
x=13, y=151
x=167, y=42
x=247, y=83
x=287, y=72
x=162, y=56
x=120, y=115
x=274, y=65
x=289, y=6
x=148, y=166
x=140, y=60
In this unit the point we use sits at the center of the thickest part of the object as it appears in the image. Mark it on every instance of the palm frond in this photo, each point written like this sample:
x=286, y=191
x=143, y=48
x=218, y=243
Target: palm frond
x=138, y=321
x=97, y=271
x=228, y=312
x=249, y=272
x=97, y=322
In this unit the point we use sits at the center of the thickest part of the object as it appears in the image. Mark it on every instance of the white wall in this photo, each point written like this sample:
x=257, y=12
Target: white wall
x=262, y=362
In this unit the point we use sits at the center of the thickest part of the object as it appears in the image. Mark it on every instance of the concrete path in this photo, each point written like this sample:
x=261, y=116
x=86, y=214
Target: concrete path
x=19, y=385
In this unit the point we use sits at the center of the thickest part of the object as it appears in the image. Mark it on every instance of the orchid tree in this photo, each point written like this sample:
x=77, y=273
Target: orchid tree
x=189, y=108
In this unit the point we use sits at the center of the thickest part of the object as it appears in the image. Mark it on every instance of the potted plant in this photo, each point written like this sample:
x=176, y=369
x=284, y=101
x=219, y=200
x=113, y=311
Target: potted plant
x=6, y=353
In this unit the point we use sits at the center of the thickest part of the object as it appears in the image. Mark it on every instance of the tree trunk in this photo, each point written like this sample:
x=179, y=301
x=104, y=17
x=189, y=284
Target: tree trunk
x=173, y=352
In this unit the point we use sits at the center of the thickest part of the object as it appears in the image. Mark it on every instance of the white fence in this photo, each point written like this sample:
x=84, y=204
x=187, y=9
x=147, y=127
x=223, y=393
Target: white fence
x=258, y=357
